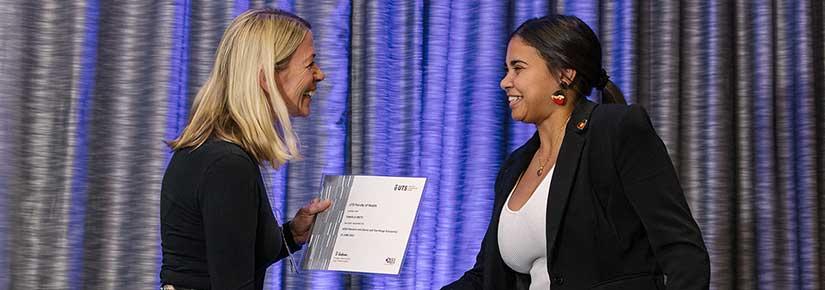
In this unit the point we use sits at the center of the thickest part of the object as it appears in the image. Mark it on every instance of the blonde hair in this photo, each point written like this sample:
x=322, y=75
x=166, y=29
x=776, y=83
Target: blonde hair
x=231, y=105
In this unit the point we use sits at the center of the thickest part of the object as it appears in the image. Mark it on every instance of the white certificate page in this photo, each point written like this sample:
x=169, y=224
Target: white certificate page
x=368, y=225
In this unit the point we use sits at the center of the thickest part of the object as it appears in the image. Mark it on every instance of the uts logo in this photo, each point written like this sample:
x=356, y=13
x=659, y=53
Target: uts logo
x=389, y=261
x=403, y=187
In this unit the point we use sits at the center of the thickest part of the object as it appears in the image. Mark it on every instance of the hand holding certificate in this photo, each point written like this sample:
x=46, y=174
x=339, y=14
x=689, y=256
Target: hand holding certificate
x=368, y=226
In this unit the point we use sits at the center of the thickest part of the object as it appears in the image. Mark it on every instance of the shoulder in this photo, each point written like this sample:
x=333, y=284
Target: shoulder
x=227, y=172
x=619, y=119
x=610, y=113
x=229, y=157
x=221, y=156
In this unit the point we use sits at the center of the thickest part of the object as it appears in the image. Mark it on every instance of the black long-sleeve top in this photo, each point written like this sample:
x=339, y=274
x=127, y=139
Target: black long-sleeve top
x=217, y=226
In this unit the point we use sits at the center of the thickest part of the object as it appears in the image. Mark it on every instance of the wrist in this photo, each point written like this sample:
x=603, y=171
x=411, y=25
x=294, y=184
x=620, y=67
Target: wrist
x=289, y=237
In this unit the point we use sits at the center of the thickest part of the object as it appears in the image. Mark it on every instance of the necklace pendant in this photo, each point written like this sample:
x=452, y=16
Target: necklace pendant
x=538, y=172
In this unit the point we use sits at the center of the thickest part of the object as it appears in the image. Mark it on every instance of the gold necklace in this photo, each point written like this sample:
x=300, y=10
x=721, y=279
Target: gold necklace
x=541, y=166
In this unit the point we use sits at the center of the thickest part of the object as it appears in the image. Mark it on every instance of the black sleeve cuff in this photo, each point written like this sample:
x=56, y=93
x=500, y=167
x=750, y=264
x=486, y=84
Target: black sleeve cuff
x=290, y=241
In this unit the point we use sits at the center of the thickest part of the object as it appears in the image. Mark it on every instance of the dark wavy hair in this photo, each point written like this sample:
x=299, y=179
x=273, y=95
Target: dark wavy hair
x=566, y=42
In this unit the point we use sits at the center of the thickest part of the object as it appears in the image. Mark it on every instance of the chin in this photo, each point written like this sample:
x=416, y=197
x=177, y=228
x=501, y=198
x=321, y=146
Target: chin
x=515, y=117
x=304, y=109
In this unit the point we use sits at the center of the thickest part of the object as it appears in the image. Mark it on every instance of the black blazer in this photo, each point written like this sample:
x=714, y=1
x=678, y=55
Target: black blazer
x=616, y=214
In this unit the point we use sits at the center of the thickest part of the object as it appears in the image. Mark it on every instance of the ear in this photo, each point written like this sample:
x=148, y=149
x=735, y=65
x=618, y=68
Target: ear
x=262, y=81
x=568, y=75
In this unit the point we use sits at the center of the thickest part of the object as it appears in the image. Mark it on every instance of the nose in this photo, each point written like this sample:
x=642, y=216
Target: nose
x=506, y=82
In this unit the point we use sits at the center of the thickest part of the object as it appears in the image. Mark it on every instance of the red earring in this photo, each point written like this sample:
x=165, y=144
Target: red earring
x=558, y=97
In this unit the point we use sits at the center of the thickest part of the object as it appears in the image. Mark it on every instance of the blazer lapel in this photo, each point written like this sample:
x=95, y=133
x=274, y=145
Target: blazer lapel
x=564, y=173
x=502, y=277
x=521, y=159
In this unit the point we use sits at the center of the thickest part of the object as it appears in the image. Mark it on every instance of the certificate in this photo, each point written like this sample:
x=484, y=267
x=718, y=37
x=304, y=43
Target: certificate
x=368, y=225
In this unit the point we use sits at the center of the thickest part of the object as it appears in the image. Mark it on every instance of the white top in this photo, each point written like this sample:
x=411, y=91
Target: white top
x=522, y=238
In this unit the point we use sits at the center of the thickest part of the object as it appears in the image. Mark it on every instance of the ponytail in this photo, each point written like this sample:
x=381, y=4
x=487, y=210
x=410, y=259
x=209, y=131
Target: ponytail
x=611, y=94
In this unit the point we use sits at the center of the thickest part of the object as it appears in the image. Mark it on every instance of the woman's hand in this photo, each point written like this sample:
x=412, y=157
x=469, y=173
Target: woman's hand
x=303, y=220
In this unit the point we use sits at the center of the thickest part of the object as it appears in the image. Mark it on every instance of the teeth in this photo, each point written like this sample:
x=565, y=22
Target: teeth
x=513, y=99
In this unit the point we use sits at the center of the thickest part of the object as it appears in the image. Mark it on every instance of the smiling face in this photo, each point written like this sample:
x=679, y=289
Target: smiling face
x=528, y=83
x=297, y=80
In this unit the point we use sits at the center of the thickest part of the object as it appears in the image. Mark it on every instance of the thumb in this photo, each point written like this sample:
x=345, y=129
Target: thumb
x=319, y=206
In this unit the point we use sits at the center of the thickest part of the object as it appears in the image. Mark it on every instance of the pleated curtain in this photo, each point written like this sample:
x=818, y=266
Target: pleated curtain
x=89, y=90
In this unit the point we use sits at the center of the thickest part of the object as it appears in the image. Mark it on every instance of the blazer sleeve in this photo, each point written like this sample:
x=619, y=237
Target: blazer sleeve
x=291, y=245
x=649, y=180
x=229, y=206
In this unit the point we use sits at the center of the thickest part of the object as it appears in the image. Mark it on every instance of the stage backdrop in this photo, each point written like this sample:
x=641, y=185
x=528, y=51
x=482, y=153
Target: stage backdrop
x=90, y=89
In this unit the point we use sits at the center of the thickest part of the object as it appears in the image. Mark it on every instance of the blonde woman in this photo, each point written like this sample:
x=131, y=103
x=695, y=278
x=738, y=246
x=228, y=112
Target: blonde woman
x=217, y=226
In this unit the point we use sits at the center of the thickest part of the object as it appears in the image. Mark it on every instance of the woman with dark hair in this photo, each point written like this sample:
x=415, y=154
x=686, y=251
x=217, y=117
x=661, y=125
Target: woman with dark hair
x=592, y=200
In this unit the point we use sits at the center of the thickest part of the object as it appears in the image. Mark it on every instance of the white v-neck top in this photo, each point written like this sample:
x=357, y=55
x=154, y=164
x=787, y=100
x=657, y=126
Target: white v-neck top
x=522, y=238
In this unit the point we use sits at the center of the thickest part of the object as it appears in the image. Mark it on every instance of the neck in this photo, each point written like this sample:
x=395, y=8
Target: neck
x=551, y=129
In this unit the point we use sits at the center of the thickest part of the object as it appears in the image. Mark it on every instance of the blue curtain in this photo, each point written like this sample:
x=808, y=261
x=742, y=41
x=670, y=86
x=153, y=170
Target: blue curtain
x=90, y=89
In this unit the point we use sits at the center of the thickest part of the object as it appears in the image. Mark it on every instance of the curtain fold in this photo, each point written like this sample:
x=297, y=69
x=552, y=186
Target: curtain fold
x=90, y=90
